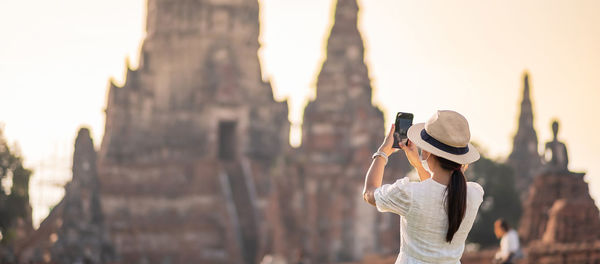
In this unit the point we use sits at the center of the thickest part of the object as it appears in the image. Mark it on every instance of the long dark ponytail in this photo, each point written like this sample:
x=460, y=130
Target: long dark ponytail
x=456, y=199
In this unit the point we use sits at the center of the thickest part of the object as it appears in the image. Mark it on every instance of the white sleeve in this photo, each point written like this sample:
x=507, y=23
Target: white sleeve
x=394, y=198
x=478, y=192
x=513, y=241
x=504, y=251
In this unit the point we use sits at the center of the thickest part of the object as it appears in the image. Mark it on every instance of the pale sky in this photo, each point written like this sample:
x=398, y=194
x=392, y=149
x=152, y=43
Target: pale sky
x=56, y=58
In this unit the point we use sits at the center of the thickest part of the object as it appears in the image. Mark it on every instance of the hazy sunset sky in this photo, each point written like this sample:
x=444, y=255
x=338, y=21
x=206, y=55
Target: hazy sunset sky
x=56, y=59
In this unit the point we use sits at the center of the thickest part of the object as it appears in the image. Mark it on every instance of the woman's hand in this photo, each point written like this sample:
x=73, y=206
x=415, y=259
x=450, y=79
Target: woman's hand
x=388, y=142
x=412, y=154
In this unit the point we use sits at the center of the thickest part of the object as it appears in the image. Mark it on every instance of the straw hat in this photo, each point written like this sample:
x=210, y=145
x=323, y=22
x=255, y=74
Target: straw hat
x=446, y=134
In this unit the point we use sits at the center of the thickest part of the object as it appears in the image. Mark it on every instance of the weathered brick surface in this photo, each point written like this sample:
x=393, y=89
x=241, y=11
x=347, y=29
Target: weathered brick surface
x=524, y=158
x=324, y=218
x=168, y=192
x=546, y=217
x=74, y=232
x=560, y=223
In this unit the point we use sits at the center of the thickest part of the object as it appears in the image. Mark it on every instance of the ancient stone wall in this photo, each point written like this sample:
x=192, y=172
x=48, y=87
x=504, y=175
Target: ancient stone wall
x=195, y=165
x=560, y=224
x=560, y=209
x=191, y=137
x=326, y=218
x=524, y=158
x=74, y=232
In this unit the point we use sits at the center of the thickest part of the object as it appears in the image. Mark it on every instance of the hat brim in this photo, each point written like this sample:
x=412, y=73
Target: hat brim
x=414, y=135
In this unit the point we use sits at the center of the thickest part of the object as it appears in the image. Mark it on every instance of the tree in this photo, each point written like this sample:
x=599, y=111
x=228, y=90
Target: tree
x=15, y=211
x=500, y=200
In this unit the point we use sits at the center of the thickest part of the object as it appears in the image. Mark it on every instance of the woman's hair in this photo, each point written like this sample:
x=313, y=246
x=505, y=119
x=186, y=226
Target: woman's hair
x=456, y=199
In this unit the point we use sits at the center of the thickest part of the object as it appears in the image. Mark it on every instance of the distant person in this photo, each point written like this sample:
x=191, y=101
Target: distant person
x=510, y=250
x=437, y=213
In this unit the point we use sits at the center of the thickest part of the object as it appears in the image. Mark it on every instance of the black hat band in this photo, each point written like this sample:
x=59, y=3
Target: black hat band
x=450, y=149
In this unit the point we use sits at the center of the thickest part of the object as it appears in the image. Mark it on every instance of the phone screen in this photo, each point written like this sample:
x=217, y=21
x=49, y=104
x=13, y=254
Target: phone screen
x=403, y=122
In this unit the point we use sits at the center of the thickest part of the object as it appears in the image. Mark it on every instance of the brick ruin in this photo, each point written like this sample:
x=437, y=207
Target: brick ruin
x=195, y=165
x=190, y=139
x=560, y=210
x=524, y=158
x=74, y=231
x=560, y=222
x=326, y=217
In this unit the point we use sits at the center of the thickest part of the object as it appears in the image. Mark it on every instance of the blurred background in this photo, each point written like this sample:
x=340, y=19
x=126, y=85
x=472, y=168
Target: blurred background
x=158, y=84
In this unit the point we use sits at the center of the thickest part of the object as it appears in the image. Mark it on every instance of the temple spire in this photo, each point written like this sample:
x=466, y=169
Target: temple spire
x=526, y=86
x=525, y=132
x=526, y=116
x=346, y=11
x=341, y=127
x=344, y=32
x=344, y=69
x=525, y=158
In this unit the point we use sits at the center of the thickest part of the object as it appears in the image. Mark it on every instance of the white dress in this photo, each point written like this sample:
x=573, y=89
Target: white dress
x=424, y=221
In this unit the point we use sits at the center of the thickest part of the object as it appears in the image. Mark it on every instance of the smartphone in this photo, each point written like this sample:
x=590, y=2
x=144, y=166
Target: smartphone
x=403, y=122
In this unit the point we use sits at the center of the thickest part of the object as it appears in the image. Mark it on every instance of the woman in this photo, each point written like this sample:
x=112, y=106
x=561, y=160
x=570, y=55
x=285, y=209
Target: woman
x=437, y=213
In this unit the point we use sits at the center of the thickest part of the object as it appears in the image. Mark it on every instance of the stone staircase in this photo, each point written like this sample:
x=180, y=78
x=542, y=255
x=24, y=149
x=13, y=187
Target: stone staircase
x=241, y=196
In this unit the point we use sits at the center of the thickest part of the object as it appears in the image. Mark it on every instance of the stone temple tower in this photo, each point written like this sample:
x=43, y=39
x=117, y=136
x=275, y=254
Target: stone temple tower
x=75, y=229
x=341, y=130
x=189, y=138
x=524, y=158
x=81, y=236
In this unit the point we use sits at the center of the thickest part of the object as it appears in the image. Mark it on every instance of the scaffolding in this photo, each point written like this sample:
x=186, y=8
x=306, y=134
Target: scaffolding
x=50, y=174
